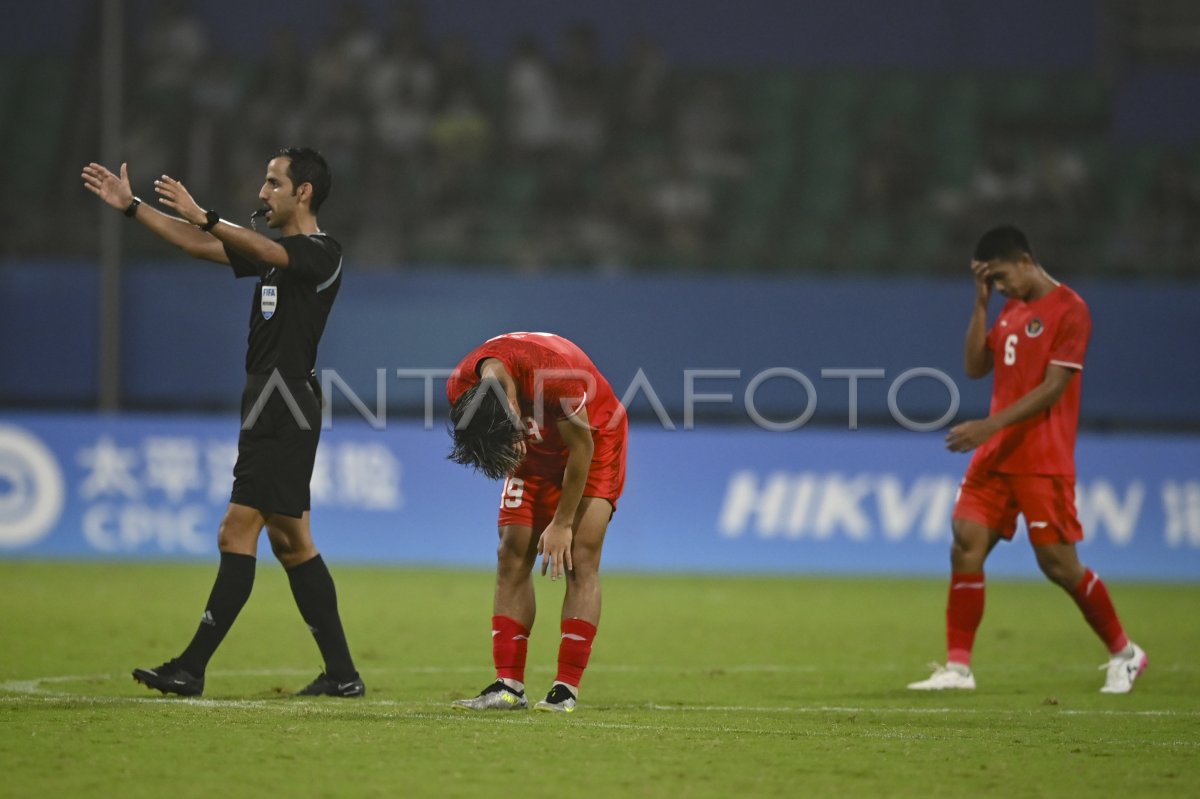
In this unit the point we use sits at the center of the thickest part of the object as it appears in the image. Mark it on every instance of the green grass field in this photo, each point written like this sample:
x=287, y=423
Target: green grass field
x=699, y=686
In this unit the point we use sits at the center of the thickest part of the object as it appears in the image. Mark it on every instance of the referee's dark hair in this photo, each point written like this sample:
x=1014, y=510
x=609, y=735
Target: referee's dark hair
x=485, y=431
x=306, y=165
x=1006, y=243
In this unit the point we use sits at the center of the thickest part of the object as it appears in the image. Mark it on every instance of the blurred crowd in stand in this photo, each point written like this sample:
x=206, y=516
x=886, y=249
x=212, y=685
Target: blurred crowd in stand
x=561, y=159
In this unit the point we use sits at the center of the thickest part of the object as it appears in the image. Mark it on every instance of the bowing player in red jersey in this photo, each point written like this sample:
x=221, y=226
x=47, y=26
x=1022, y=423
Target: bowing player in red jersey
x=1024, y=459
x=532, y=409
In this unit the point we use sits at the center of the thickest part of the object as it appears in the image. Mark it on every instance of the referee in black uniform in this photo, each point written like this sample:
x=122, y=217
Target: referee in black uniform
x=298, y=279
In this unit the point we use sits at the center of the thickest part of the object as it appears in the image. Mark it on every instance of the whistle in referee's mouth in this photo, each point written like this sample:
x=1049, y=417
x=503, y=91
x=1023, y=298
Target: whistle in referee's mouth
x=257, y=213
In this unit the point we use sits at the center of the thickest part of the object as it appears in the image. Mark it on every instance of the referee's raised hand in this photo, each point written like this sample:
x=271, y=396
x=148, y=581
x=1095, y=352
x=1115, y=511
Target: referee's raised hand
x=173, y=194
x=110, y=188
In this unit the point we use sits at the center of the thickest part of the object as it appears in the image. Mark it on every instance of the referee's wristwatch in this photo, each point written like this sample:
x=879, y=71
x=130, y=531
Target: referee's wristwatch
x=211, y=218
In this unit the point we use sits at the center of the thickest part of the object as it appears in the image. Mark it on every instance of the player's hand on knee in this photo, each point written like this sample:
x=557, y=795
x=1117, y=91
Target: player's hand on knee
x=554, y=546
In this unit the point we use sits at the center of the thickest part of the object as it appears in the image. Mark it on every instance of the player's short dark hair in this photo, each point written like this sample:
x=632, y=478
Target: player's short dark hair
x=306, y=165
x=484, y=430
x=1005, y=243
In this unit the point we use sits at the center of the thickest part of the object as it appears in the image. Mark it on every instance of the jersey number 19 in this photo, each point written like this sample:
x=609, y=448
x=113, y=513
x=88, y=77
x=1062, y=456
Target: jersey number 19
x=513, y=494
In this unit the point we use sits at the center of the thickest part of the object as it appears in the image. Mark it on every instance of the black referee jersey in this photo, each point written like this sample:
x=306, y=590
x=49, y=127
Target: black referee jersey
x=290, y=306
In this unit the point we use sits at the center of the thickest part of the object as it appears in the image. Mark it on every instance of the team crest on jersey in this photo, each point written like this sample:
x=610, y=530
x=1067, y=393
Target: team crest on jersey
x=1034, y=328
x=270, y=299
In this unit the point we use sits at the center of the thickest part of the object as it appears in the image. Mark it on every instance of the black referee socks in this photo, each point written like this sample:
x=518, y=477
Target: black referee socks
x=235, y=580
x=312, y=587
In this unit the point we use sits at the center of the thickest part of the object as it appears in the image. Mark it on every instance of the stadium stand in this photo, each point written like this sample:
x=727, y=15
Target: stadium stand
x=633, y=164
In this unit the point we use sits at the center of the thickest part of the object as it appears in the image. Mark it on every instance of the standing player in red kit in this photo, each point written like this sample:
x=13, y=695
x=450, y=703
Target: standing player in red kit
x=533, y=410
x=1024, y=458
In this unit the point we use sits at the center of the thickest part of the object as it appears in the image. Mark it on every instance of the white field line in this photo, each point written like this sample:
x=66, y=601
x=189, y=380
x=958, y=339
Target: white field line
x=967, y=711
x=307, y=707
x=31, y=690
x=447, y=716
x=33, y=686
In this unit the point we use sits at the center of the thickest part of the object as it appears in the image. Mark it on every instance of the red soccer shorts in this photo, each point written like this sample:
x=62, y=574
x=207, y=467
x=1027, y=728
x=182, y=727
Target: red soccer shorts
x=1047, y=501
x=530, y=497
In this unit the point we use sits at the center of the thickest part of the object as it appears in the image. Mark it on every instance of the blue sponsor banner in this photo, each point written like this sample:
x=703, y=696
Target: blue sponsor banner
x=881, y=501
x=672, y=330
x=710, y=499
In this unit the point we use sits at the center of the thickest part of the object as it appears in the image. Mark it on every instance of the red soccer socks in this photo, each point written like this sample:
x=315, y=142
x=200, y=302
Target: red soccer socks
x=1092, y=598
x=964, y=611
x=574, y=648
x=510, y=643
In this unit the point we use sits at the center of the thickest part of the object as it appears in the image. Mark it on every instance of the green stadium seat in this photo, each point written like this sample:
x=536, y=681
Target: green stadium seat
x=42, y=113
x=1020, y=99
x=1081, y=100
x=869, y=244
x=440, y=252
x=776, y=137
x=959, y=96
x=745, y=245
x=1097, y=155
x=825, y=198
x=761, y=193
x=836, y=93
x=10, y=70
x=892, y=99
x=493, y=88
x=835, y=130
x=774, y=104
x=515, y=188
x=805, y=247
x=832, y=144
x=774, y=92
x=826, y=177
x=1132, y=176
x=955, y=149
x=501, y=238
x=923, y=245
x=830, y=130
x=778, y=156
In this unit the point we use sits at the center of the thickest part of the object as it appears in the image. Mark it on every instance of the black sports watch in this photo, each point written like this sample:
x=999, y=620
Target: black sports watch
x=211, y=218
x=131, y=209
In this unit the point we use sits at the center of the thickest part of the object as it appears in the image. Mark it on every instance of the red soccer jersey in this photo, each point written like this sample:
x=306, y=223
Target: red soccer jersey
x=554, y=370
x=1025, y=340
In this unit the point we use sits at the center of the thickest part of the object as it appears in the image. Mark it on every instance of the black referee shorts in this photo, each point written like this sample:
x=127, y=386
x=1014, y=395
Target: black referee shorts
x=275, y=455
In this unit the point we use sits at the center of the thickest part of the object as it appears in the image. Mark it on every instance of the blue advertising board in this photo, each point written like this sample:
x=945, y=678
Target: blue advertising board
x=184, y=339
x=812, y=500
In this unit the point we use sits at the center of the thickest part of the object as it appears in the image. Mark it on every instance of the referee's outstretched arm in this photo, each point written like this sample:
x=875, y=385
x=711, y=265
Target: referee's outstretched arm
x=116, y=192
x=248, y=243
x=184, y=232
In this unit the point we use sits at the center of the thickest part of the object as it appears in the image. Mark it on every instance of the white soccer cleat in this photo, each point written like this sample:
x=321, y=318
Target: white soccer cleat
x=945, y=678
x=1122, y=671
x=496, y=696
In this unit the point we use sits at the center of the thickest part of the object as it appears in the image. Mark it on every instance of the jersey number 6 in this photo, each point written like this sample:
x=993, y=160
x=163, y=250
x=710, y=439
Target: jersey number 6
x=1010, y=349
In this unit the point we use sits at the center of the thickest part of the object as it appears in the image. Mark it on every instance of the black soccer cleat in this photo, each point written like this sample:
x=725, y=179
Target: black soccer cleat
x=497, y=696
x=561, y=699
x=325, y=685
x=170, y=678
